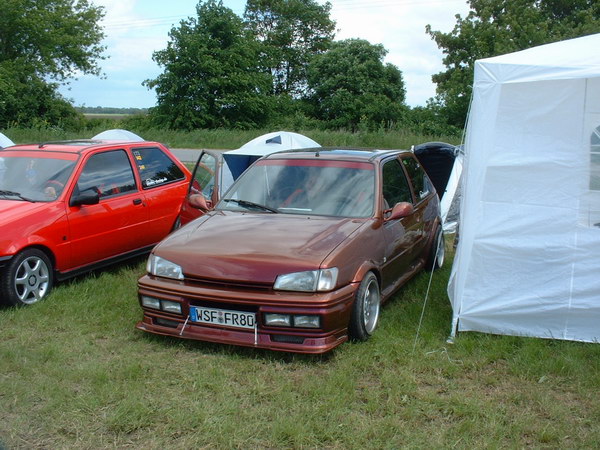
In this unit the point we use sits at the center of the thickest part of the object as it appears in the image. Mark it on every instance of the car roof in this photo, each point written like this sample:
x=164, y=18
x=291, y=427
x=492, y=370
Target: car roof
x=77, y=146
x=337, y=153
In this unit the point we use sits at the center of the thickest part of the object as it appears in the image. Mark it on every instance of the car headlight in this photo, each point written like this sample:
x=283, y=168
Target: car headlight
x=161, y=267
x=309, y=281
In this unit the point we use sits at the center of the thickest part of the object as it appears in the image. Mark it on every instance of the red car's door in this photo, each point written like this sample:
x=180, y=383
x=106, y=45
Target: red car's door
x=164, y=184
x=402, y=236
x=116, y=224
x=205, y=181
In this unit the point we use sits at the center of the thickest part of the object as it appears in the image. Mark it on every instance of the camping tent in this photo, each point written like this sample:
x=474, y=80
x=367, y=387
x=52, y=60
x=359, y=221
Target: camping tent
x=240, y=159
x=528, y=258
x=5, y=142
x=118, y=135
x=443, y=164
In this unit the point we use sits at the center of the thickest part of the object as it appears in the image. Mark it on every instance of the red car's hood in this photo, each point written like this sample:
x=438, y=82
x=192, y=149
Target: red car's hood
x=254, y=247
x=13, y=210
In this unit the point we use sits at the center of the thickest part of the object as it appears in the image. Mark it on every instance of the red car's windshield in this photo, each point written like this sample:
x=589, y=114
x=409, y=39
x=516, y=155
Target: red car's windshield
x=316, y=187
x=33, y=179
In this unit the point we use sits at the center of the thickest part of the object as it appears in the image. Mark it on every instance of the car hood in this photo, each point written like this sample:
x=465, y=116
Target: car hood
x=13, y=210
x=254, y=248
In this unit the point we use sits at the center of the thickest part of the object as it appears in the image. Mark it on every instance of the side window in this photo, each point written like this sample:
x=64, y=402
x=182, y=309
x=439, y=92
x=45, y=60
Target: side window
x=107, y=173
x=595, y=160
x=417, y=175
x=395, y=184
x=155, y=167
x=204, y=176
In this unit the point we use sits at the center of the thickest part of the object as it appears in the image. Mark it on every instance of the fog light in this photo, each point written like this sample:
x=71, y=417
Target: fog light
x=278, y=320
x=172, y=307
x=307, y=321
x=150, y=302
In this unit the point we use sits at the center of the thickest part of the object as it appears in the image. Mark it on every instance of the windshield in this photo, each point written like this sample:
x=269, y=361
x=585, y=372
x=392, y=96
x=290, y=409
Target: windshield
x=316, y=187
x=33, y=179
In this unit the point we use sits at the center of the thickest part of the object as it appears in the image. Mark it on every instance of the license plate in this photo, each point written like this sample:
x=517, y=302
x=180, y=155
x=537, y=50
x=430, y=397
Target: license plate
x=223, y=317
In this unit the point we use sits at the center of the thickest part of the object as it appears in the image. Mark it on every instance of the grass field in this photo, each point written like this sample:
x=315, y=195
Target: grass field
x=232, y=139
x=74, y=373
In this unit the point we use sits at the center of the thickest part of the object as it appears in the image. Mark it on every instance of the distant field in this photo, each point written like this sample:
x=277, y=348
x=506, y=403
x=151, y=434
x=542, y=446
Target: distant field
x=106, y=116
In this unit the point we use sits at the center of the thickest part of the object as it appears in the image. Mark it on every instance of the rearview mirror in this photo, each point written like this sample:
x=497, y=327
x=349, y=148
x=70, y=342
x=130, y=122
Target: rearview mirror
x=400, y=210
x=87, y=197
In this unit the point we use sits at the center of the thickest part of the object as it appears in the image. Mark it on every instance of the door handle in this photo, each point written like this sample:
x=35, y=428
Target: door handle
x=137, y=201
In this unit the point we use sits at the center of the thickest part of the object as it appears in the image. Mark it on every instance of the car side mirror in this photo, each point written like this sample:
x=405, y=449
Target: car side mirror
x=400, y=210
x=199, y=202
x=87, y=197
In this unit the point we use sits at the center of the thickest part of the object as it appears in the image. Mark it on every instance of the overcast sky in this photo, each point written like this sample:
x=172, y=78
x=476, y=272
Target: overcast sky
x=136, y=28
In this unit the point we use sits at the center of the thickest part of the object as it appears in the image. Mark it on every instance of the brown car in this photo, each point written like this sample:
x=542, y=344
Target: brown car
x=299, y=254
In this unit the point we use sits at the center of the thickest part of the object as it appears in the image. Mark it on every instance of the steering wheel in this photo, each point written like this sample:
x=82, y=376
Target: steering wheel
x=52, y=189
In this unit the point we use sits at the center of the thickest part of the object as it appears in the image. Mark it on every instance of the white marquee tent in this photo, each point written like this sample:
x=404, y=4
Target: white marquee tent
x=5, y=141
x=528, y=258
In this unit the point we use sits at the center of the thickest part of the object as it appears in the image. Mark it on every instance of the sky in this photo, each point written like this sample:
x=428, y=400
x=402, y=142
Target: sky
x=134, y=29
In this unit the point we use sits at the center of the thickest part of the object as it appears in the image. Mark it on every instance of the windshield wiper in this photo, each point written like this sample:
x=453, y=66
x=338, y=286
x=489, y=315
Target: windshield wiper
x=16, y=194
x=249, y=204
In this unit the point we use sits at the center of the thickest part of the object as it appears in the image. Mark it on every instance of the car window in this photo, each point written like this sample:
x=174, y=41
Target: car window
x=155, y=167
x=204, y=176
x=36, y=179
x=324, y=188
x=595, y=160
x=395, y=185
x=420, y=181
x=108, y=173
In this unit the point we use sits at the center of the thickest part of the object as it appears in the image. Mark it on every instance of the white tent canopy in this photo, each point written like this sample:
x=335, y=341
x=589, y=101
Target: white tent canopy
x=118, y=135
x=240, y=159
x=5, y=142
x=528, y=258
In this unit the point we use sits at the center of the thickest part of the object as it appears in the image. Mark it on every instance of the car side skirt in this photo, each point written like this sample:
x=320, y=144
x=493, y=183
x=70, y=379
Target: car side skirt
x=60, y=276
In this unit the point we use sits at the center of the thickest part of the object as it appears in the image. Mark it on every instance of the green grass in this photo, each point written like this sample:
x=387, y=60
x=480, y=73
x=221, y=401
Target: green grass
x=232, y=139
x=75, y=373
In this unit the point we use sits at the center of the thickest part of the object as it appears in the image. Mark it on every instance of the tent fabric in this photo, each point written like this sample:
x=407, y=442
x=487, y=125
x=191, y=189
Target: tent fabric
x=240, y=159
x=118, y=135
x=528, y=257
x=5, y=141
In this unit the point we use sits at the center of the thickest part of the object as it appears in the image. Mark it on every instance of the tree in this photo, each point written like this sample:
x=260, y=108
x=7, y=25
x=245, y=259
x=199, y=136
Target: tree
x=291, y=32
x=43, y=43
x=350, y=85
x=210, y=77
x=495, y=27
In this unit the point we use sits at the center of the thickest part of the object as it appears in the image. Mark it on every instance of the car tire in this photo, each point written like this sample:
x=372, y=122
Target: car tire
x=437, y=252
x=365, y=311
x=176, y=224
x=27, y=279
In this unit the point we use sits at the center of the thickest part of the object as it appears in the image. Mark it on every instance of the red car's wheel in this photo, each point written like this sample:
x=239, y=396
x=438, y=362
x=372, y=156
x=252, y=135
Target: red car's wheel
x=27, y=279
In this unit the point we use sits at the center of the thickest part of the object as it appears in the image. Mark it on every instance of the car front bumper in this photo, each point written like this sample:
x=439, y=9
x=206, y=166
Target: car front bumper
x=334, y=309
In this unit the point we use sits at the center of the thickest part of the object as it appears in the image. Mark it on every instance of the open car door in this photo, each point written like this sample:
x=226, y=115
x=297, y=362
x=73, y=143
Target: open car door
x=207, y=179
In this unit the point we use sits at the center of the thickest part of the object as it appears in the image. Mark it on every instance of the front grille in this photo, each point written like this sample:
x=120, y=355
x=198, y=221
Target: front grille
x=287, y=339
x=228, y=285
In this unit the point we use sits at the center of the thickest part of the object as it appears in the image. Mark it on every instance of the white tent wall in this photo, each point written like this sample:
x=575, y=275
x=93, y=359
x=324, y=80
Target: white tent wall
x=528, y=259
x=5, y=141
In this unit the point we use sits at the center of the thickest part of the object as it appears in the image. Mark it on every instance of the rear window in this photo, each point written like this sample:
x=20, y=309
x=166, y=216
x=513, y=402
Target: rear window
x=155, y=167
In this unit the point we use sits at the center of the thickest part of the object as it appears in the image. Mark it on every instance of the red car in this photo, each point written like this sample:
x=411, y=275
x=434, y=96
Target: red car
x=72, y=206
x=298, y=254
